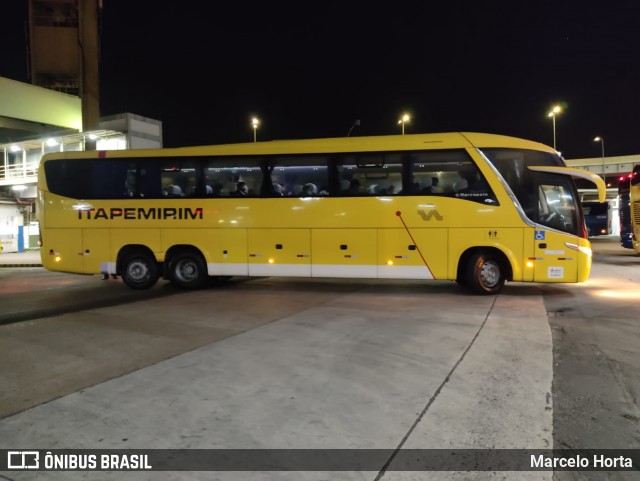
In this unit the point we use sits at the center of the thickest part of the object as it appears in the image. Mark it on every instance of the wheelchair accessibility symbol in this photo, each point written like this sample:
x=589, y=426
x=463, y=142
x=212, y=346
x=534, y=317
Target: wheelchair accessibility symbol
x=539, y=235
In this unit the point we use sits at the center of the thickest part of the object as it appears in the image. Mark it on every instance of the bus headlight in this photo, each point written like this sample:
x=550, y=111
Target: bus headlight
x=579, y=248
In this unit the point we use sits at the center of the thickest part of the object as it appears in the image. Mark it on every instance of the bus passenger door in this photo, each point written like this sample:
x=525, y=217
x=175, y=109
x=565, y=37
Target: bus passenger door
x=279, y=252
x=554, y=261
x=95, y=251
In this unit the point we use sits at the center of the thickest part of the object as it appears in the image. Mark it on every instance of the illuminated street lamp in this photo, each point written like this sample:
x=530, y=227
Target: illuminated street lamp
x=604, y=172
x=554, y=111
x=254, y=123
x=404, y=119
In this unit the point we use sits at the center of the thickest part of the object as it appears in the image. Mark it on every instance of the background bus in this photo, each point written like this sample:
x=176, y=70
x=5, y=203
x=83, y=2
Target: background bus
x=634, y=201
x=624, y=211
x=597, y=216
x=478, y=209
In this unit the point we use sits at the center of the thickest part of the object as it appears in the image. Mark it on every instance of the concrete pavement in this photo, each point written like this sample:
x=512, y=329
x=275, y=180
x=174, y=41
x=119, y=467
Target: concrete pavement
x=384, y=365
x=30, y=258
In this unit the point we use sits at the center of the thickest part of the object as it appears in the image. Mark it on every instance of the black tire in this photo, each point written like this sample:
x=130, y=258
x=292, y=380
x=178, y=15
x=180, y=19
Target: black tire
x=139, y=271
x=188, y=270
x=485, y=273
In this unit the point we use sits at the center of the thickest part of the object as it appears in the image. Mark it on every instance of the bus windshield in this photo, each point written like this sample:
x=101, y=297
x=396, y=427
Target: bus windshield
x=547, y=199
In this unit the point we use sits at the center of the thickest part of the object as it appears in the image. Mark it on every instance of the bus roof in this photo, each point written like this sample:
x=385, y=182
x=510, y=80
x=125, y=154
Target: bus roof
x=445, y=140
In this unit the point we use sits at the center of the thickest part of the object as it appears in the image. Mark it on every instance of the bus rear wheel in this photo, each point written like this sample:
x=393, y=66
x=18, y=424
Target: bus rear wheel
x=139, y=271
x=485, y=273
x=188, y=270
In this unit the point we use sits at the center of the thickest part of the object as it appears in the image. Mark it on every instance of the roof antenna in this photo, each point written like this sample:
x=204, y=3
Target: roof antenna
x=356, y=123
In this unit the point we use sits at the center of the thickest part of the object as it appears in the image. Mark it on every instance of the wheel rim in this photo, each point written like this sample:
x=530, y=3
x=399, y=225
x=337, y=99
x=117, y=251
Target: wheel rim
x=138, y=271
x=186, y=270
x=490, y=274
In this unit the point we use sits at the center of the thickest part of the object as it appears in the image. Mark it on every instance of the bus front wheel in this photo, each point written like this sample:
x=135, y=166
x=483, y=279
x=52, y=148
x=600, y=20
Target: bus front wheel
x=485, y=273
x=139, y=271
x=188, y=270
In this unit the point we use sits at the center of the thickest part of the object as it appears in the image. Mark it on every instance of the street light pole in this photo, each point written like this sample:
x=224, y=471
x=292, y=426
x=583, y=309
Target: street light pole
x=356, y=123
x=405, y=118
x=604, y=171
x=554, y=111
x=254, y=123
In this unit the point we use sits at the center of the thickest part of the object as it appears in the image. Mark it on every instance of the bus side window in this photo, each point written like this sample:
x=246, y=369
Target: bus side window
x=149, y=185
x=111, y=179
x=232, y=177
x=299, y=176
x=171, y=180
x=451, y=173
x=435, y=172
x=248, y=182
x=131, y=180
x=370, y=174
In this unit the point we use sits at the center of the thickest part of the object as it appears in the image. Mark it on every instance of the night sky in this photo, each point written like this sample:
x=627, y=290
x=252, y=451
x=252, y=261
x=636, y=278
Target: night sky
x=204, y=68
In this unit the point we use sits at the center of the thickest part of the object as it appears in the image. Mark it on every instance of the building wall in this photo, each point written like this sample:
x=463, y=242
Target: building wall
x=141, y=132
x=11, y=220
x=612, y=167
x=27, y=102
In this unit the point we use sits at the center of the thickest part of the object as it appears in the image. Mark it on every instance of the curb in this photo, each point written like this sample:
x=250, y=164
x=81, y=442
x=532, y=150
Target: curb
x=20, y=265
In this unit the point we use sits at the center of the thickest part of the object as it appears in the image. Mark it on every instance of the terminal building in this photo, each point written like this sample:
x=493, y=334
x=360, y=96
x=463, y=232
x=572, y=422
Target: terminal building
x=612, y=170
x=35, y=121
x=59, y=110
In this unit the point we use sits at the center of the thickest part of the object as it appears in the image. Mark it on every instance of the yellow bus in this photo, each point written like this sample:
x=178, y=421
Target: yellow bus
x=634, y=203
x=479, y=209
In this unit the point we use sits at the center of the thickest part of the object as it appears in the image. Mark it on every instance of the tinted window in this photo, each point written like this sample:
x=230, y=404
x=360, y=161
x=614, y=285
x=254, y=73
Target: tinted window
x=372, y=174
x=595, y=208
x=449, y=173
x=179, y=178
x=92, y=178
x=233, y=177
x=299, y=176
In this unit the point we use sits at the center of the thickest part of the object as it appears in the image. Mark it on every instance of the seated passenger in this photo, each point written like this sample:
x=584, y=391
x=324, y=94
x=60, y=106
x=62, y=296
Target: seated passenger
x=241, y=190
x=354, y=188
x=278, y=190
x=173, y=191
x=476, y=189
x=309, y=190
x=473, y=180
x=430, y=186
x=216, y=189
